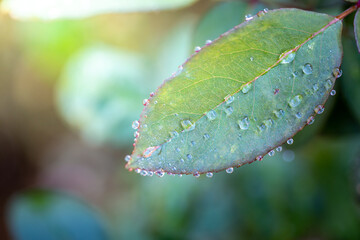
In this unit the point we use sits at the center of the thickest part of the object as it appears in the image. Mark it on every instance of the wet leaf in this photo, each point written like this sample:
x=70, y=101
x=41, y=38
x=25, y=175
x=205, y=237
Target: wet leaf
x=56, y=9
x=241, y=96
x=357, y=28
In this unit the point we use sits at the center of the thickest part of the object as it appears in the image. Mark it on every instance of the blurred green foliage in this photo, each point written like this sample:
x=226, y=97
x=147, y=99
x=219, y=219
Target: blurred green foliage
x=87, y=77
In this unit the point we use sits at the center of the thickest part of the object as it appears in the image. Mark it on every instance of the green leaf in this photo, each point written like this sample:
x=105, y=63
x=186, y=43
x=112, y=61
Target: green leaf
x=357, y=28
x=55, y=9
x=354, y=1
x=242, y=96
x=230, y=13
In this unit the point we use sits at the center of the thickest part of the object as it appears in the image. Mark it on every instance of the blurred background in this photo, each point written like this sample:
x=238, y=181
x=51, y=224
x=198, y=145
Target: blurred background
x=72, y=79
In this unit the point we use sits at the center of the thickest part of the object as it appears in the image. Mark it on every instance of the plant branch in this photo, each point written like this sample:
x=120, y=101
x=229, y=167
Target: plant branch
x=348, y=11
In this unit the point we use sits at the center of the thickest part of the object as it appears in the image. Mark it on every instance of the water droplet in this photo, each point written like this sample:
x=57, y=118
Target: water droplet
x=149, y=151
x=193, y=143
x=150, y=173
x=295, y=74
x=230, y=170
x=155, y=102
x=229, y=111
x=178, y=71
x=135, y=124
x=177, y=149
x=180, y=175
x=266, y=10
x=310, y=120
x=182, y=160
x=307, y=68
x=145, y=102
x=288, y=59
x=298, y=115
x=160, y=173
x=152, y=94
x=136, y=134
x=187, y=125
x=279, y=148
x=248, y=17
x=290, y=141
x=279, y=113
x=189, y=156
x=337, y=72
x=295, y=101
x=259, y=158
x=196, y=174
x=209, y=174
x=246, y=88
x=333, y=92
x=211, y=115
x=319, y=109
x=251, y=58
x=127, y=158
x=206, y=136
x=315, y=87
x=262, y=127
x=229, y=99
x=138, y=170
x=328, y=84
x=244, y=123
x=197, y=49
x=143, y=173
x=208, y=42
x=271, y=153
x=174, y=134
x=268, y=123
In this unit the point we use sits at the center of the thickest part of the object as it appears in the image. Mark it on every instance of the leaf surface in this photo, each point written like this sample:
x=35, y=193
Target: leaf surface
x=357, y=28
x=56, y=9
x=241, y=96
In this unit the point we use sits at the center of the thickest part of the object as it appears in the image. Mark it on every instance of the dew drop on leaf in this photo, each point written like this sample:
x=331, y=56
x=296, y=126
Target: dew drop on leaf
x=246, y=88
x=211, y=115
x=135, y=124
x=279, y=113
x=288, y=59
x=310, y=120
x=271, y=153
x=290, y=141
x=295, y=101
x=248, y=17
x=127, y=158
x=187, y=125
x=209, y=174
x=319, y=109
x=307, y=68
x=244, y=123
x=230, y=170
x=279, y=148
x=229, y=111
x=229, y=99
x=333, y=92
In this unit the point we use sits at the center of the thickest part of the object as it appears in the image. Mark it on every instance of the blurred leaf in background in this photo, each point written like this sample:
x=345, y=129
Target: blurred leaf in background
x=46, y=215
x=54, y=9
x=100, y=93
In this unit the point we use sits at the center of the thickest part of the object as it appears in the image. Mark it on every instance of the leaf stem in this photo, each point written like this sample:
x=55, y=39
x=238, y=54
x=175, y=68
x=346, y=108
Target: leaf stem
x=348, y=11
